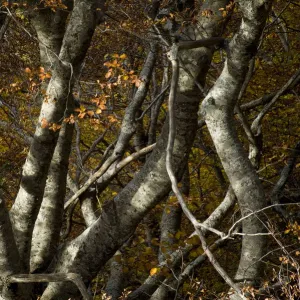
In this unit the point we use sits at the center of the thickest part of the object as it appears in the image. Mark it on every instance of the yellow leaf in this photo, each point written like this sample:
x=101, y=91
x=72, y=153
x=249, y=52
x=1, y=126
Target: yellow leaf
x=287, y=231
x=148, y=250
x=153, y=271
x=194, y=240
x=123, y=56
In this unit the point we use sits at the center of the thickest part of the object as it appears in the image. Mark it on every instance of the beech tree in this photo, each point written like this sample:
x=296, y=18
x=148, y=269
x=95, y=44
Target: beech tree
x=148, y=124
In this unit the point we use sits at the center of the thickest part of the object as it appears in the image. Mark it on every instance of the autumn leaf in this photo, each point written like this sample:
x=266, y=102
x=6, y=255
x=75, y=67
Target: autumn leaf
x=90, y=113
x=108, y=74
x=153, y=271
x=112, y=119
x=44, y=123
x=55, y=127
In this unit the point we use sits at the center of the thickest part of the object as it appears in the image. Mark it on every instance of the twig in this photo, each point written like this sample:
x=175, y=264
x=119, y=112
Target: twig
x=175, y=66
x=94, y=145
x=104, y=168
x=257, y=122
x=161, y=94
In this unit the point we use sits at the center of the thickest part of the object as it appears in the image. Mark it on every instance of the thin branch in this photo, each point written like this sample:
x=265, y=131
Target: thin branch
x=175, y=66
x=173, y=57
x=94, y=145
x=56, y=277
x=104, y=168
x=257, y=122
x=285, y=173
x=4, y=27
x=161, y=94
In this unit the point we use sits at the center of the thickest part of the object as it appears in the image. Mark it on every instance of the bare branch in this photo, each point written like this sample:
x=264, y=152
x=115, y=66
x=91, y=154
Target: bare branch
x=257, y=122
x=173, y=56
x=105, y=167
x=57, y=277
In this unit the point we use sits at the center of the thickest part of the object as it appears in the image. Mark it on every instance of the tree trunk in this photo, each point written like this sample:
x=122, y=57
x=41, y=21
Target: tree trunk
x=27, y=204
x=120, y=217
x=218, y=108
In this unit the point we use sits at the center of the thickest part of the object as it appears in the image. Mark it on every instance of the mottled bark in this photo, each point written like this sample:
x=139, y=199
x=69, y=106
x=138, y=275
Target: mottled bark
x=120, y=217
x=217, y=109
x=50, y=29
x=148, y=187
x=48, y=224
x=117, y=278
x=74, y=46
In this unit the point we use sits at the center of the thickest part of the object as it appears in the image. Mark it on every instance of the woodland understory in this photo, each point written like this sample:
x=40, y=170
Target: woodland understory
x=149, y=149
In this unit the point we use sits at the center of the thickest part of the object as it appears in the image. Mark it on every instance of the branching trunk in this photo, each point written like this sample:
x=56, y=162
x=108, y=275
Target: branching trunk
x=75, y=44
x=123, y=214
x=217, y=109
x=48, y=224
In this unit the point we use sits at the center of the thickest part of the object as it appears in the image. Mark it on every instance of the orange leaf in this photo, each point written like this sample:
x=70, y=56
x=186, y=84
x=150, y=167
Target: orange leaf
x=81, y=115
x=44, y=123
x=90, y=113
x=108, y=74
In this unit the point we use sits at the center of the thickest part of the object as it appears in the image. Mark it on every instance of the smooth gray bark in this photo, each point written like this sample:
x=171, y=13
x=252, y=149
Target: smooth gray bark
x=50, y=28
x=117, y=278
x=76, y=41
x=47, y=227
x=217, y=109
x=120, y=217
